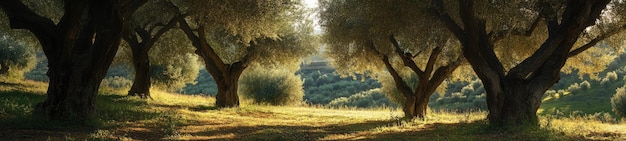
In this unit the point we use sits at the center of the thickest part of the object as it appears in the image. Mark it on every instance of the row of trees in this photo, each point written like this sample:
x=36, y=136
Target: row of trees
x=81, y=38
x=516, y=48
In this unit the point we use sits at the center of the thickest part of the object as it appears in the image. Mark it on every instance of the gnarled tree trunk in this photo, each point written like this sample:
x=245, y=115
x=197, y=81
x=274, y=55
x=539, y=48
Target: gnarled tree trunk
x=227, y=87
x=141, y=84
x=141, y=41
x=514, y=96
x=226, y=75
x=416, y=101
x=78, y=59
x=416, y=106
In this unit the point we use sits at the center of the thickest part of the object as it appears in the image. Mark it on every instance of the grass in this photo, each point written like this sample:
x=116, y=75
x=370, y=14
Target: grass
x=185, y=117
x=595, y=99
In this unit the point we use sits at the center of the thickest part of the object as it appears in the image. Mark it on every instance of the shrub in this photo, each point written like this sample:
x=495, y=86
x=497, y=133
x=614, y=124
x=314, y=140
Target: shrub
x=585, y=85
x=16, y=57
x=612, y=76
x=274, y=87
x=574, y=88
x=618, y=102
x=116, y=82
x=176, y=73
x=366, y=99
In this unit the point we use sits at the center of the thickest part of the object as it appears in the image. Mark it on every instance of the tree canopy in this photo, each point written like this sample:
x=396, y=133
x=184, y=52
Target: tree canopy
x=518, y=48
x=229, y=35
x=393, y=37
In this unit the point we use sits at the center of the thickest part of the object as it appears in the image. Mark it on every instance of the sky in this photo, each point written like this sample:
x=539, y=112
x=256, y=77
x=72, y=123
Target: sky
x=311, y=4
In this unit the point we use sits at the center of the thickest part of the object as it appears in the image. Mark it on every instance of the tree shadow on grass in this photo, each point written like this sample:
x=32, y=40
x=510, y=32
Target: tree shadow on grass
x=284, y=132
x=380, y=130
x=19, y=120
x=477, y=130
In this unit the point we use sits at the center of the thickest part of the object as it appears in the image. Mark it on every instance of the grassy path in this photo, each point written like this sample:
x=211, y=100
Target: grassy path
x=184, y=117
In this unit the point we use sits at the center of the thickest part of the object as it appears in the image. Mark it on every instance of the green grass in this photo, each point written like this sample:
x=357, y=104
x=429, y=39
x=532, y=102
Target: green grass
x=183, y=117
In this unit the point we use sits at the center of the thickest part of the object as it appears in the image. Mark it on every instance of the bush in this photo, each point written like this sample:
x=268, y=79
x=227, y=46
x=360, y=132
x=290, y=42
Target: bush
x=574, y=88
x=618, y=102
x=325, y=85
x=116, y=82
x=585, y=85
x=177, y=73
x=16, y=57
x=271, y=86
x=367, y=99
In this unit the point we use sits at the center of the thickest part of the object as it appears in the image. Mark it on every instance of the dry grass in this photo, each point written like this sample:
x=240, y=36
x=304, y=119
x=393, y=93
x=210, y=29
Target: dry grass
x=185, y=117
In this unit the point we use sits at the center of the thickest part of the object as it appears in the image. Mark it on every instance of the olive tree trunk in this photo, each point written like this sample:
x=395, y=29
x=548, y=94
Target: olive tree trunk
x=141, y=84
x=80, y=49
x=141, y=40
x=225, y=75
x=514, y=96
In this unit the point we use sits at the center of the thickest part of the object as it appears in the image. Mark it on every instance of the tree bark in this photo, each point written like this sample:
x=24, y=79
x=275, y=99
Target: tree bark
x=225, y=75
x=514, y=96
x=141, y=84
x=416, y=101
x=227, y=96
x=140, y=48
x=78, y=59
x=416, y=105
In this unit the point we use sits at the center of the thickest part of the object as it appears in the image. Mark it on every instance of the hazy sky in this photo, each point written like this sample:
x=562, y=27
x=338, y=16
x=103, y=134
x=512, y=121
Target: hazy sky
x=313, y=4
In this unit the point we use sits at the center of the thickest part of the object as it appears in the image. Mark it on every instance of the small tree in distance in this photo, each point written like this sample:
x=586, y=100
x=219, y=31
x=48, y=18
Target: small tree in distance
x=618, y=102
x=15, y=58
x=271, y=86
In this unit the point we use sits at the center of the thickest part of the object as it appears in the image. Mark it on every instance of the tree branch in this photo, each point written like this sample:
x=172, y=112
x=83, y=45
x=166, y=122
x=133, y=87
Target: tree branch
x=499, y=35
x=211, y=66
x=444, y=72
x=406, y=57
x=577, y=16
x=171, y=24
x=440, y=12
x=21, y=17
x=432, y=60
x=595, y=41
x=400, y=84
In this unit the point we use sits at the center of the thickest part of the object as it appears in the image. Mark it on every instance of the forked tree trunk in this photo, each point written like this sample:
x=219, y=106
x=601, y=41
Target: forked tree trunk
x=141, y=84
x=141, y=41
x=415, y=107
x=514, y=96
x=78, y=59
x=225, y=75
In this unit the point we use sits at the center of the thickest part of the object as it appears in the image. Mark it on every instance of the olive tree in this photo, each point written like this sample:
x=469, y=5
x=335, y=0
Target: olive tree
x=80, y=46
x=394, y=37
x=228, y=35
x=16, y=57
x=145, y=30
x=519, y=48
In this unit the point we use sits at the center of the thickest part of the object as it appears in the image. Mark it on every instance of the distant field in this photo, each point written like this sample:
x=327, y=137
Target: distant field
x=183, y=117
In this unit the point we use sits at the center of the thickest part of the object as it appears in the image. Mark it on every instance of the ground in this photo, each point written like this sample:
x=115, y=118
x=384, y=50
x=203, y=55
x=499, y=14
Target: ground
x=171, y=116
